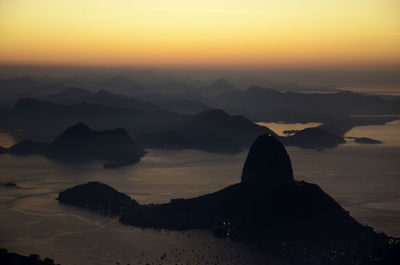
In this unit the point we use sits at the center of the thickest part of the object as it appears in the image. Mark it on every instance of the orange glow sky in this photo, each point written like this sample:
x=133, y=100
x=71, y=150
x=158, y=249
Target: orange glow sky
x=251, y=33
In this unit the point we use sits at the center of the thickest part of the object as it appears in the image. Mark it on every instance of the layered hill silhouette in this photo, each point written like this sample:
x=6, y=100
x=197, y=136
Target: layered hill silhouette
x=73, y=95
x=54, y=118
x=218, y=87
x=211, y=130
x=98, y=197
x=268, y=207
x=79, y=143
x=259, y=103
x=313, y=138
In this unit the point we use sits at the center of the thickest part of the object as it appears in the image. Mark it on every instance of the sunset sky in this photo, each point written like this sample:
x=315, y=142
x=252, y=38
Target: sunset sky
x=239, y=33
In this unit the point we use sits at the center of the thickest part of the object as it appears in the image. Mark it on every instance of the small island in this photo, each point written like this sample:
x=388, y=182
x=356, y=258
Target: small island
x=79, y=143
x=312, y=138
x=366, y=140
x=98, y=197
x=11, y=185
x=363, y=140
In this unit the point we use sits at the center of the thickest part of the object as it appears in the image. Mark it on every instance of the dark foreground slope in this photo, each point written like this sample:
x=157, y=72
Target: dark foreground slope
x=9, y=258
x=80, y=143
x=269, y=208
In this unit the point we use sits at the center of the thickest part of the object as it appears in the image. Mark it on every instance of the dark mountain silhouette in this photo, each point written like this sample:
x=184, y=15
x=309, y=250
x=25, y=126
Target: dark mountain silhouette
x=364, y=140
x=185, y=106
x=340, y=126
x=171, y=87
x=148, y=77
x=26, y=147
x=160, y=98
x=218, y=87
x=98, y=197
x=108, y=99
x=212, y=130
x=80, y=143
x=69, y=95
x=269, y=208
x=247, y=81
x=18, y=83
x=13, y=89
x=116, y=81
x=267, y=203
x=268, y=104
x=267, y=155
x=10, y=258
x=175, y=140
x=237, y=128
x=313, y=138
x=54, y=118
x=10, y=185
x=120, y=84
x=73, y=95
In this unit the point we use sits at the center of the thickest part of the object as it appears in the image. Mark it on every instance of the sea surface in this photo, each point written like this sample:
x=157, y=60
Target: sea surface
x=363, y=178
x=385, y=90
x=280, y=127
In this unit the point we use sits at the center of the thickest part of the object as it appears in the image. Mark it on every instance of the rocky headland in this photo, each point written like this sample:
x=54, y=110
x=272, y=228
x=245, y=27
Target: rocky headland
x=79, y=143
x=271, y=209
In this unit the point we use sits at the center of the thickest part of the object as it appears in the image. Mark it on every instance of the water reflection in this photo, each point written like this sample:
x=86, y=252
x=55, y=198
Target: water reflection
x=6, y=140
x=365, y=179
x=279, y=127
x=389, y=133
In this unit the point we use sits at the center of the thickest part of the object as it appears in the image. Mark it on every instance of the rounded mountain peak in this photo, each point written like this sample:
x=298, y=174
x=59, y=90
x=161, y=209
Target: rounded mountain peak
x=267, y=163
x=74, y=133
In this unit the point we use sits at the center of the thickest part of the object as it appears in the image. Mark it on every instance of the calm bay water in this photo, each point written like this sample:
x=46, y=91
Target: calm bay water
x=364, y=179
x=280, y=127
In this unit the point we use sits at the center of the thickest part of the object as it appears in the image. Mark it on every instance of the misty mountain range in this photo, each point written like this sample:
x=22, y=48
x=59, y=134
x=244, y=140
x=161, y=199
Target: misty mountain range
x=177, y=114
x=133, y=83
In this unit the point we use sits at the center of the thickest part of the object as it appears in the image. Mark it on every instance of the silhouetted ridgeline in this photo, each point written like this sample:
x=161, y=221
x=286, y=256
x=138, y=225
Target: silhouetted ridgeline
x=27, y=113
x=98, y=197
x=9, y=258
x=101, y=97
x=313, y=138
x=268, y=208
x=268, y=104
x=218, y=87
x=366, y=140
x=211, y=130
x=79, y=143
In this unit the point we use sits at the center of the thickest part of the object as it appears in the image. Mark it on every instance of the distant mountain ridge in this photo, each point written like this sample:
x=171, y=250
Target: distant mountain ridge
x=218, y=87
x=102, y=97
x=79, y=143
x=210, y=130
x=268, y=104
